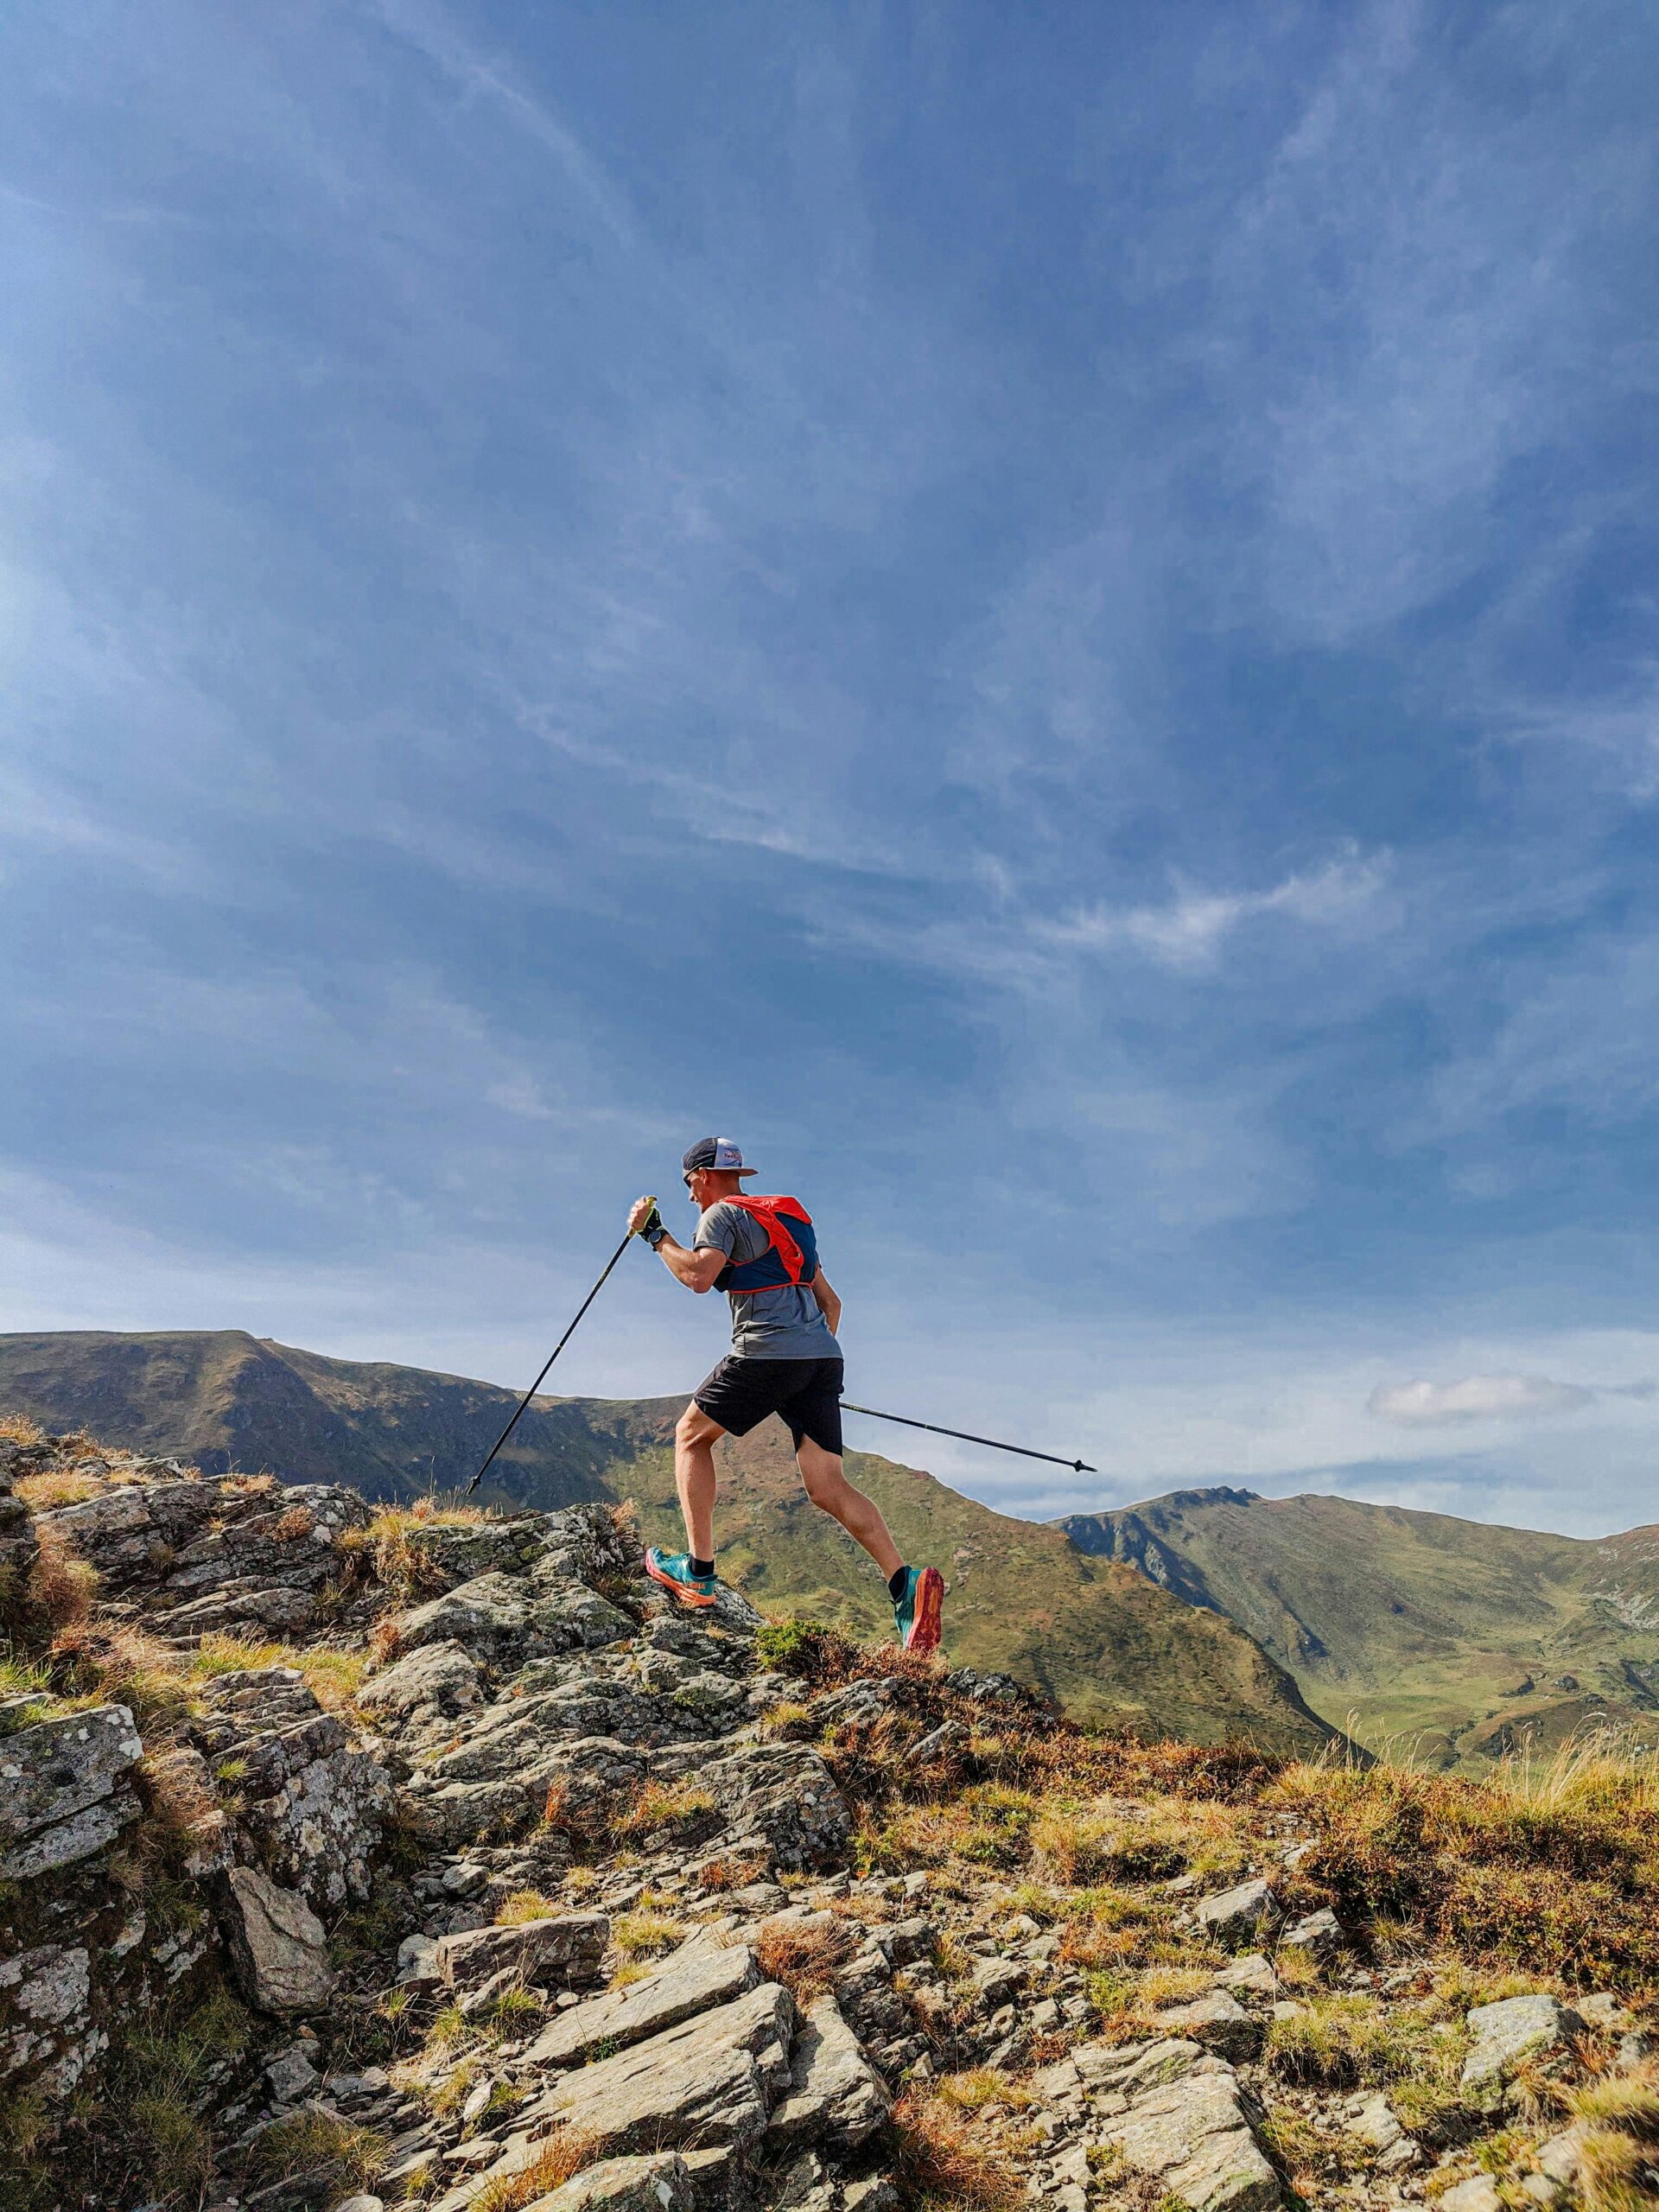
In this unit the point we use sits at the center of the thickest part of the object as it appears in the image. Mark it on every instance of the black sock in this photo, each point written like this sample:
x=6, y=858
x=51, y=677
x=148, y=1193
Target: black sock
x=896, y=1584
x=702, y=1568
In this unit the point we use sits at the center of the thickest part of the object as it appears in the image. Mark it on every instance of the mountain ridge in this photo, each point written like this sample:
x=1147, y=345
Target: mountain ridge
x=1095, y=1635
x=1466, y=1634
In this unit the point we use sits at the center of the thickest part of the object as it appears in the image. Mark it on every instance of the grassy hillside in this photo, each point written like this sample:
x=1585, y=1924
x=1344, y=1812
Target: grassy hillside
x=1466, y=1635
x=1097, y=1635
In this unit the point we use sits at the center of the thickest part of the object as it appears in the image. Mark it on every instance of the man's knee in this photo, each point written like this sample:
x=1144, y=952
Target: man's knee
x=694, y=1426
x=821, y=1473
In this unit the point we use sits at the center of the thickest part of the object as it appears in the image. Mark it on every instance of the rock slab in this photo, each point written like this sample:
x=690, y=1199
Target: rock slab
x=276, y=1945
x=835, y=2099
x=697, y=1978
x=62, y=1789
x=712, y=2080
x=1503, y=2036
x=1193, y=2136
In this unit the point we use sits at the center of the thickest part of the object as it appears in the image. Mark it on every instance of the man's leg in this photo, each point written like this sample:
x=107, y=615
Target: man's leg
x=830, y=1490
x=695, y=1439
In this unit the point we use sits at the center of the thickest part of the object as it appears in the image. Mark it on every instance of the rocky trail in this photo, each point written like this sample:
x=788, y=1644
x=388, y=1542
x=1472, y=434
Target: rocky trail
x=355, y=1856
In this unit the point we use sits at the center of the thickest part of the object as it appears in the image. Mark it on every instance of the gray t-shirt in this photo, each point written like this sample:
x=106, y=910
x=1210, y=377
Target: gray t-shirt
x=783, y=1324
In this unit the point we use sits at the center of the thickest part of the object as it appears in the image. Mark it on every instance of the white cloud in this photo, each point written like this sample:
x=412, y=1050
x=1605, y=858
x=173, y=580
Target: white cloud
x=1475, y=1397
x=1190, y=931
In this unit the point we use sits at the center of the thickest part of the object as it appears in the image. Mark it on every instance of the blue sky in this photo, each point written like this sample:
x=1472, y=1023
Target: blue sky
x=1047, y=616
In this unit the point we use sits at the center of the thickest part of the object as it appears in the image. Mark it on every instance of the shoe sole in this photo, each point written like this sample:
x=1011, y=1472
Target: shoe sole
x=927, y=1627
x=693, y=1600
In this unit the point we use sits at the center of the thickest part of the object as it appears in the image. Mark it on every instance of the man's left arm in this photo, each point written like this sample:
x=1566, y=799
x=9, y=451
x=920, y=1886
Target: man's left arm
x=829, y=1304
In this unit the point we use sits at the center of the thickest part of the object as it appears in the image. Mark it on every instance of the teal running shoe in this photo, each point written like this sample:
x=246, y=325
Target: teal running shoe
x=673, y=1570
x=918, y=1615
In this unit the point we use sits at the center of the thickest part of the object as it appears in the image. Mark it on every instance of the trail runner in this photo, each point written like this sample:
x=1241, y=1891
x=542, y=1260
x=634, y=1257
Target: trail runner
x=783, y=1360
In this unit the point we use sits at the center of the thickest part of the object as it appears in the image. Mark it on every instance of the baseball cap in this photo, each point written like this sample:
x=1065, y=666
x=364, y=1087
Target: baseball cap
x=715, y=1152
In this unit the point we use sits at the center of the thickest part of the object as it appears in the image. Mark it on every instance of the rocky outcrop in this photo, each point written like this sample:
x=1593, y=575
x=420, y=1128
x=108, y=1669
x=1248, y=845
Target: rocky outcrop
x=500, y=1882
x=311, y=1795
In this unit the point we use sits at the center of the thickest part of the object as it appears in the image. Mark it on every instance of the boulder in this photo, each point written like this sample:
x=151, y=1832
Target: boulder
x=711, y=2079
x=438, y=1678
x=451, y=1551
x=697, y=1977
x=1319, y=1933
x=560, y=1952
x=276, y=1945
x=1504, y=2034
x=1128, y=2069
x=503, y=1619
x=63, y=1791
x=1193, y=2138
x=130, y=1532
x=836, y=2098
x=1253, y=1974
x=1216, y=2021
x=459, y=1813
x=1240, y=1915
x=1478, y=2194
x=658, y=2182
x=776, y=1803
x=313, y=1796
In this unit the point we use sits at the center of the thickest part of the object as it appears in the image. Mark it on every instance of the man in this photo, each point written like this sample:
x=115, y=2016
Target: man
x=785, y=1360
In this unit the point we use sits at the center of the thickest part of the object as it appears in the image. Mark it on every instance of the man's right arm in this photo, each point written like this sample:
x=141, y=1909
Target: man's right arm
x=697, y=1269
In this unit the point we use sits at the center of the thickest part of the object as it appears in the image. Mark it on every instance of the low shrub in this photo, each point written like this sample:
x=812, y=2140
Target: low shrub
x=807, y=1651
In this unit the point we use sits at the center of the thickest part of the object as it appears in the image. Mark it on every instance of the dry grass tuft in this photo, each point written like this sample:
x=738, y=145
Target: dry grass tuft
x=290, y=1526
x=660, y=1805
x=804, y=1955
x=980, y=2087
x=1619, y=2116
x=339, y=2155
x=569, y=2152
x=44, y=1493
x=522, y=1906
x=939, y=2161
x=18, y=1428
x=331, y=1675
x=62, y=1587
x=645, y=1933
x=394, y=1534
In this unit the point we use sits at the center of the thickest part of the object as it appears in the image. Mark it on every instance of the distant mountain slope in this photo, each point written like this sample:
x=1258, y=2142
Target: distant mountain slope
x=1094, y=1634
x=1415, y=1622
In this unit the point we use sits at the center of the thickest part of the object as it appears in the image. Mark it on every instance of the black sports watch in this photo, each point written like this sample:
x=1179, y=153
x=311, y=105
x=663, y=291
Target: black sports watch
x=655, y=1234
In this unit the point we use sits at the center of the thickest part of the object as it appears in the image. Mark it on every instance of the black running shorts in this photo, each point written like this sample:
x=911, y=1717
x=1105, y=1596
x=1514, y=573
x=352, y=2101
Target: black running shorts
x=805, y=1394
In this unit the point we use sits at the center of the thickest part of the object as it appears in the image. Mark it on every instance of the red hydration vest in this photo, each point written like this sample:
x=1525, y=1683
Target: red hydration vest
x=792, y=1254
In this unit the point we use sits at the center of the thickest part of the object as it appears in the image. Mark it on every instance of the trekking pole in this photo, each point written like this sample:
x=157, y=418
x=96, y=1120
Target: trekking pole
x=552, y=1356
x=1024, y=1450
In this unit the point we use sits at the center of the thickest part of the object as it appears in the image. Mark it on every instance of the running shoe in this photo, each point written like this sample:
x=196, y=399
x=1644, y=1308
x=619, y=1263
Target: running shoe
x=916, y=1616
x=673, y=1570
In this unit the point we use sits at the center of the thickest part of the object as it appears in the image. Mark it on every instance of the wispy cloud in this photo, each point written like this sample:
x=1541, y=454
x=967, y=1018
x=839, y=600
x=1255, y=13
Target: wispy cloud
x=1189, y=931
x=1475, y=1397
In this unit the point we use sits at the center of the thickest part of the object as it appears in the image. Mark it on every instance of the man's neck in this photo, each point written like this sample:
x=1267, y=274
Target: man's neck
x=732, y=1188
